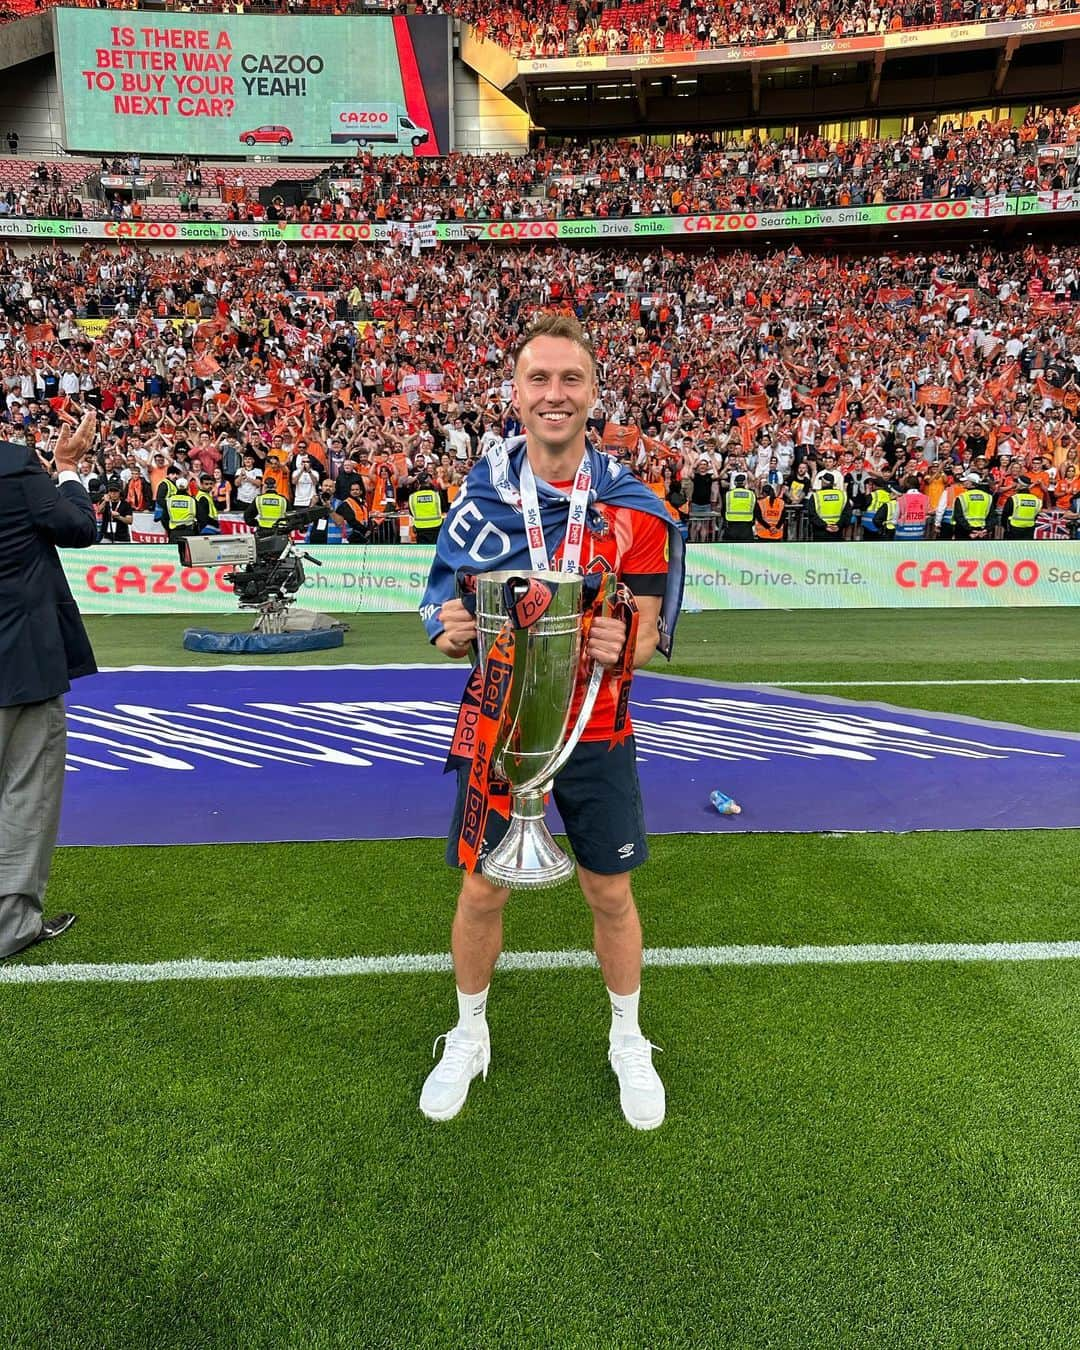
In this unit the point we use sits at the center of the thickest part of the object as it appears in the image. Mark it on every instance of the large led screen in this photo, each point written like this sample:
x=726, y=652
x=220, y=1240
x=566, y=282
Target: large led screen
x=210, y=85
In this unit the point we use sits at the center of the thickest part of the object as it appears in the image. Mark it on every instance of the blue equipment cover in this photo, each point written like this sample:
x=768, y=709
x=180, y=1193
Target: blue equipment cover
x=317, y=640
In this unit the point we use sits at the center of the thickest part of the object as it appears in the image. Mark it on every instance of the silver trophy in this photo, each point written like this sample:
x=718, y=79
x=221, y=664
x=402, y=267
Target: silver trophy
x=537, y=739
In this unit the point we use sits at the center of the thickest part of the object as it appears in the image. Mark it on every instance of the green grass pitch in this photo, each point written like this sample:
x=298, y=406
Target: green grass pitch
x=879, y=1155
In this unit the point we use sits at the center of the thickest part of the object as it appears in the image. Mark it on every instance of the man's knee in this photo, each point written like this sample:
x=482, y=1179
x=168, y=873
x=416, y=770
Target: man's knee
x=609, y=897
x=479, y=897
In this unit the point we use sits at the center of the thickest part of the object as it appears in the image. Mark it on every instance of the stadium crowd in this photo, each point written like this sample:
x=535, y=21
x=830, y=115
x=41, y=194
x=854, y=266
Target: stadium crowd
x=366, y=372
x=700, y=174
x=554, y=28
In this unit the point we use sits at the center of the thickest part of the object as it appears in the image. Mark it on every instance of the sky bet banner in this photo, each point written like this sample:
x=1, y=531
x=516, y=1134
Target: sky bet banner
x=147, y=579
x=300, y=87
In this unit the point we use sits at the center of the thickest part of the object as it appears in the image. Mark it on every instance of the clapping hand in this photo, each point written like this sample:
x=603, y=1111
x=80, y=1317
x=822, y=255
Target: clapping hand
x=71, y=446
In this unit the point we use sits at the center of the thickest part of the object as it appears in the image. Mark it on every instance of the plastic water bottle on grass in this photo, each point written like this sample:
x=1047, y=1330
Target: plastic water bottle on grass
x=725, y=805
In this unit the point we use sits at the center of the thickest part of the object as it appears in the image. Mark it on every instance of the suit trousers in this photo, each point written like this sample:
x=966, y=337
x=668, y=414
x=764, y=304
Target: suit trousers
x=33, y=742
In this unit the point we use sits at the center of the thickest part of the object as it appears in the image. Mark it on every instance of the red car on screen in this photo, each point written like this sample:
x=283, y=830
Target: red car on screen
x=267, y=136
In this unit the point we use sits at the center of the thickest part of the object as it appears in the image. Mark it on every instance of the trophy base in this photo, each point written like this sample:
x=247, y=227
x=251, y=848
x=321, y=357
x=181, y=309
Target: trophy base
x=527, y=858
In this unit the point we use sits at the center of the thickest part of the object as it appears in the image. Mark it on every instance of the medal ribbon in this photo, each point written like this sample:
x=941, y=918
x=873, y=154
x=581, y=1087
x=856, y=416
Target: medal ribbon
x=575, y=525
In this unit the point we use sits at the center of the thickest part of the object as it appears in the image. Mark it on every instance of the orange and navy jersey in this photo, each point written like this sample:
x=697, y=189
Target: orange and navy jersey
x=635, y=548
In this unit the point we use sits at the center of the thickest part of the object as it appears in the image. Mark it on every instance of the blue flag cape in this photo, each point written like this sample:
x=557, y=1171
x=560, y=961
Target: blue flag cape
x=484, y=530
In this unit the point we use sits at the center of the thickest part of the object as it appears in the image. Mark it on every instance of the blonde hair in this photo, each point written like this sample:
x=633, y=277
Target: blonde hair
x=556, y=326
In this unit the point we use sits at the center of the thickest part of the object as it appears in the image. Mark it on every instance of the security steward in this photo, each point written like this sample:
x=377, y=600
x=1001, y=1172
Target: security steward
x=425, y=507
x=740, y=505
x=769, y=515
x=353, y=511
x=206, y=512
x=1021, y=511
x=971, y=509
x=875, y=513
x=830, y=511
x=178, y=510
x=265, y=511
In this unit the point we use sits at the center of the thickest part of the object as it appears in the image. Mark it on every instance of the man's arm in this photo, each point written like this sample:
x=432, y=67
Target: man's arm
x=63, y=514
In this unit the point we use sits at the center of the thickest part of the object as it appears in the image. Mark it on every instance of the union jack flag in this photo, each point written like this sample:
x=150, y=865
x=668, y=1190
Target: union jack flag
x=1052, y=525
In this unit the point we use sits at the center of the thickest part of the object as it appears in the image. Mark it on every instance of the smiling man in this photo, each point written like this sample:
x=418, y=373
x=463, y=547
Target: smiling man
x=551, y=473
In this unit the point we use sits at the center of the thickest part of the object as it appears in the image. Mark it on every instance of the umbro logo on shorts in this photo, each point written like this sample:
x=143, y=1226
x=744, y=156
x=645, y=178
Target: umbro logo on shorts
x=626, y=850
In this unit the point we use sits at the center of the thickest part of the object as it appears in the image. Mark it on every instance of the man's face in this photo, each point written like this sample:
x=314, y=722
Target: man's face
x=356, y=492
x=554, y=387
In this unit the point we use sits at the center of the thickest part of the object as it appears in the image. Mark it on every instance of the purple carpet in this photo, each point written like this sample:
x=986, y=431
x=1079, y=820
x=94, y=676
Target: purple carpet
x=220, y=755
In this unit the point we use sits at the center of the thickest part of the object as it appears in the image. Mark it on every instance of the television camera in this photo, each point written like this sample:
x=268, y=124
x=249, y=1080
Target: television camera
x=268, y=570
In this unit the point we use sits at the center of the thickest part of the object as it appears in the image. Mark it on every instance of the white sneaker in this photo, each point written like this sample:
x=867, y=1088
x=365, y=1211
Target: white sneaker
x=447, y=1085
x=641, y=1093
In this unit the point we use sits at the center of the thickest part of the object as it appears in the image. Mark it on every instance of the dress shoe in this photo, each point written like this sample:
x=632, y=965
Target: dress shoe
x=51, y=928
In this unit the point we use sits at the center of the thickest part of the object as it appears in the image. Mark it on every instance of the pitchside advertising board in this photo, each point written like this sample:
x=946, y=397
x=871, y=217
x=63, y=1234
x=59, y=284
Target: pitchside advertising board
x=852, y=218
x=297, y=87
x=147, y=579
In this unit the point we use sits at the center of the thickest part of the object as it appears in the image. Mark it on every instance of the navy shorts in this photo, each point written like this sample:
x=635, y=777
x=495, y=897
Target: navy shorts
x=599, y=799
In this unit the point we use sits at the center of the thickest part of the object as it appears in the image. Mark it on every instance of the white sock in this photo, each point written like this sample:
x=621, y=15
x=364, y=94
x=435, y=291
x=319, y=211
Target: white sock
x=624, y=1014
x=472, y=1013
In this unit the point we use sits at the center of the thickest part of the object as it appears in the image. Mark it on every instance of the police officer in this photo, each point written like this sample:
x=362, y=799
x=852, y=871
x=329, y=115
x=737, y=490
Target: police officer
x=266, y=510
x=1021, y=511
x=178, y=510
x=739, y=507
x=875, y=513
x=830, y=511
x=425, y=507
x=206, y=512
x=971, y=509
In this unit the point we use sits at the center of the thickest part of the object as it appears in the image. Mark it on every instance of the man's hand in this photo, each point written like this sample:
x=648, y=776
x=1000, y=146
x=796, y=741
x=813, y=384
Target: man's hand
x=71, y=446
x=459, y=630
x=607, y=638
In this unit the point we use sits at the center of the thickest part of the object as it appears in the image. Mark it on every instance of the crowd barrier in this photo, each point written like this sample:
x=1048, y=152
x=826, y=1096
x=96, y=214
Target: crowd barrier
x=146, y=579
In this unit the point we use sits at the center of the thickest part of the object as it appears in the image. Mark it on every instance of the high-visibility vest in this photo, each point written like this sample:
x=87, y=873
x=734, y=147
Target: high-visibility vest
x=181, y=507
x=271, y=506
x=1025, y=510
x=891, y=513
x=973, y=506
x=739, y=506
x=425, y=507
x=771, y=526
x=878, y=498
x=829, y=504
x=205, y=497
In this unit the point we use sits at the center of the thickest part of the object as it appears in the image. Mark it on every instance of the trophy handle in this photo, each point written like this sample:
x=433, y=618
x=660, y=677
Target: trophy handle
x=605, y=597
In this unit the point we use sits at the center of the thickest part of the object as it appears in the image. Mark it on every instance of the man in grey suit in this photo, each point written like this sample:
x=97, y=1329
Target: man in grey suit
x=43, y=646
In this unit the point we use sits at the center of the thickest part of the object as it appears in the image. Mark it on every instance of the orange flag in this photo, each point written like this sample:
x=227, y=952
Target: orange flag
x=618, y=437
x=205, y=366
x=839, y=410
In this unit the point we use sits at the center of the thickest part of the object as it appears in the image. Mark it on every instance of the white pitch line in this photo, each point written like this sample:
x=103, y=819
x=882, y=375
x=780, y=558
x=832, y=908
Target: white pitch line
x=897, y=683
x=300, y=968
